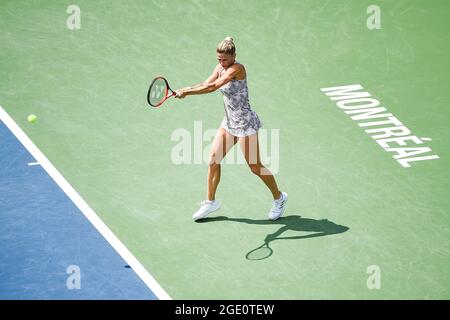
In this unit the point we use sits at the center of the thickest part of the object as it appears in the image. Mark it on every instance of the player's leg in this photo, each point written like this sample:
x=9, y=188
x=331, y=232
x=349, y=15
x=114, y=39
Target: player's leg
x=250, y=149
x=222, y=143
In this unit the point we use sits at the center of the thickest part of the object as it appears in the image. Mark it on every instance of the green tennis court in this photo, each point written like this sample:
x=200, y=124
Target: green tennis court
x=358, y=224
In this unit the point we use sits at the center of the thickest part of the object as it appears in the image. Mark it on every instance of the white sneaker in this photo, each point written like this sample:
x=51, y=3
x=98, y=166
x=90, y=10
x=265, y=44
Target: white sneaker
x=206, y=207
x=278, y=207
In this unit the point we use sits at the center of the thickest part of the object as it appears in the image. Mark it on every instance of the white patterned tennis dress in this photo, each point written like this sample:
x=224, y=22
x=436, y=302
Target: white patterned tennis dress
x=239, y=120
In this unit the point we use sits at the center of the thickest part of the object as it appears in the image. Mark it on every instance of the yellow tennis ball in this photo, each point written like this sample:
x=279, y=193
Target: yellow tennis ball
x=32, y=118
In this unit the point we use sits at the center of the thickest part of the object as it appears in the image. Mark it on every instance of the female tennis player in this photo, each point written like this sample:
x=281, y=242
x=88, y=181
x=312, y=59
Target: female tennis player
x=240, y=123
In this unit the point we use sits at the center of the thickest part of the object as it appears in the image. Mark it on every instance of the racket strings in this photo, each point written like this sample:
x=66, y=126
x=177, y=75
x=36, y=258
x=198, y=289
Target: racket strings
x=158, y=92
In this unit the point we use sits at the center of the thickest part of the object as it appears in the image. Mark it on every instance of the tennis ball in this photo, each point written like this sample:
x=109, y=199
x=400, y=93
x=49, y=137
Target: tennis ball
x=32, y=118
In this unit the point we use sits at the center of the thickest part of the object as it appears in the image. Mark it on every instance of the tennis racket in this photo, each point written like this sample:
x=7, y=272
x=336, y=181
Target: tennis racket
x=159, y=91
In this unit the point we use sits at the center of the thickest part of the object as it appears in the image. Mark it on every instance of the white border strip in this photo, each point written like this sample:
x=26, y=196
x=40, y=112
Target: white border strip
x=84, y=207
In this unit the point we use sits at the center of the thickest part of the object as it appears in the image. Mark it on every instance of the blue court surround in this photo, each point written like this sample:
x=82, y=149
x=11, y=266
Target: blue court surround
x=42, y=233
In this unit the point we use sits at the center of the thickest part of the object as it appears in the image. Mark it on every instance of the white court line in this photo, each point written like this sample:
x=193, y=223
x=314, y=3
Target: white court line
x=33, y=163
x=84, y=207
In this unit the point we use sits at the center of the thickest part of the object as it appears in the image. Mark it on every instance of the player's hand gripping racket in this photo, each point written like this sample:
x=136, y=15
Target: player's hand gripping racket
x=159, y=92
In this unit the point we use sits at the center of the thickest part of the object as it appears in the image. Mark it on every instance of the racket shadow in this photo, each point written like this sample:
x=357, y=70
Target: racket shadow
x=317, y=228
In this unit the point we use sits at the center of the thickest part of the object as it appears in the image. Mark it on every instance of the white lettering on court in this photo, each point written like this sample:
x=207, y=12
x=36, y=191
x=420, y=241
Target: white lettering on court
x=389, y=132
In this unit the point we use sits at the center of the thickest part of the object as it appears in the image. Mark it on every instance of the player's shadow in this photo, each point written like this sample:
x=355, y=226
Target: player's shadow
x=316, y=228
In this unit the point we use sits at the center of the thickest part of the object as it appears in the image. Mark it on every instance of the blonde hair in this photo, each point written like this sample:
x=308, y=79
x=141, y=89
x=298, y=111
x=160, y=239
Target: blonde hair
x=226, y=46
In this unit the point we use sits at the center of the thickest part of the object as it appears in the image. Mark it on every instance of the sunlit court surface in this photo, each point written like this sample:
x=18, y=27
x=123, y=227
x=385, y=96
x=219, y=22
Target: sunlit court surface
x=98, y=188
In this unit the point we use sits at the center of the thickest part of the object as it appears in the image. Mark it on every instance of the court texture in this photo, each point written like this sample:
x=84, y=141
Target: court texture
x=97, y=195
